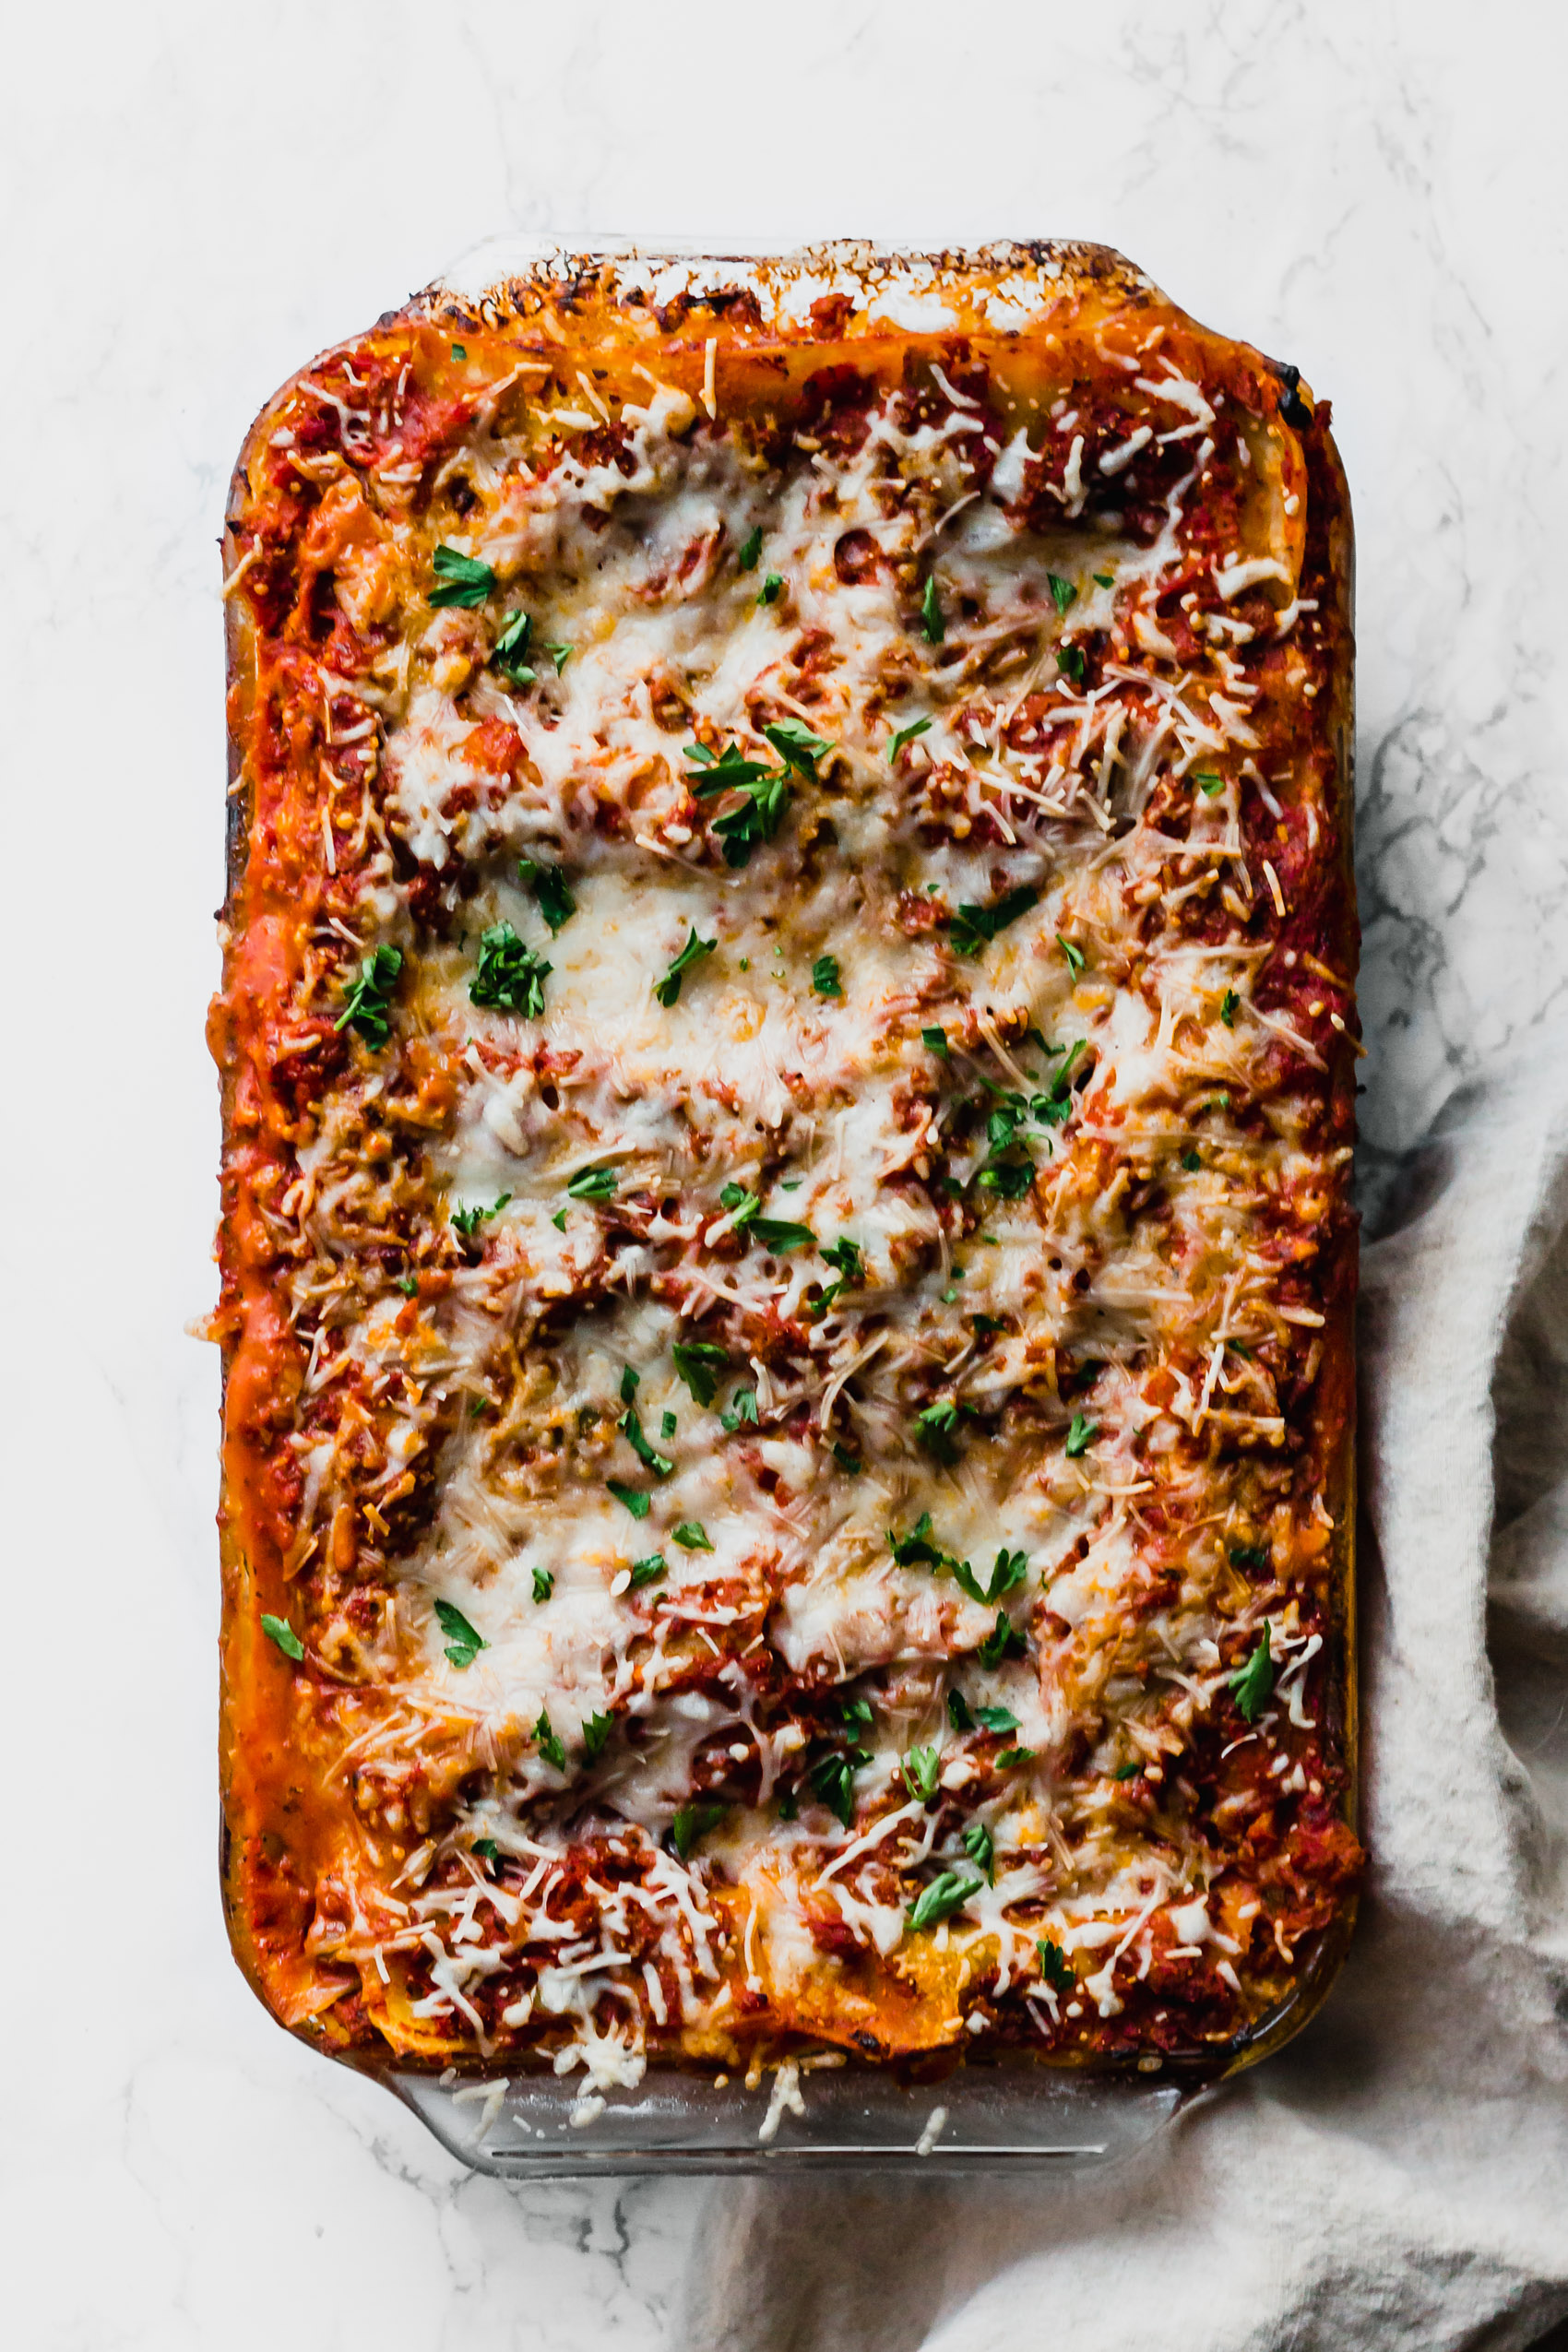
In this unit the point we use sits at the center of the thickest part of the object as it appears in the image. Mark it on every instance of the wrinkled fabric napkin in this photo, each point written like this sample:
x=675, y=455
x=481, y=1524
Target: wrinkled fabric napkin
x=1399, y=2176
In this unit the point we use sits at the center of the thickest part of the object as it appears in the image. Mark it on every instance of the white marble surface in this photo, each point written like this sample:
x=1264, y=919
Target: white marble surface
x=192, y=208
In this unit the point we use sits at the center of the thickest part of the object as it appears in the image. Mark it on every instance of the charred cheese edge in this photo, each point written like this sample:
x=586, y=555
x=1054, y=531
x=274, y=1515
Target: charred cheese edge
x=788, y=1050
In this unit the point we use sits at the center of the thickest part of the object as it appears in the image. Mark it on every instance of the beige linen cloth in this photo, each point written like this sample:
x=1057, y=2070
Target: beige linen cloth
x=1399, y=2176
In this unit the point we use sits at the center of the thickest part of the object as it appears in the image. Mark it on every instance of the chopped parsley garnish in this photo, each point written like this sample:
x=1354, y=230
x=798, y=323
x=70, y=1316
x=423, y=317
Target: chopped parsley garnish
x=636, y=1503
x=946, y=1893
x=1191, y=1162
x=596, y=1734
x=935, y=1041
x=743, y=1407
x=959, y=1714
x=917, y=1550
x=406, y=1284
x=1003, y=1641
x=845, y=1255
x=694, y=1819
x=1075, y=955
x=668, y=990
x=1079, y=1435
x=487, y=1850
x=368, y=1000
x=692, y=1536
x=630, y=1428
x=833, y=1778
x=1005, y=1576
x=511, y=655
x=469, y=1220
x=1064, y=595
x=1252, y=1683
x=1054, y=1965
x=760, y=811
x=750, y=549
x=906, y=735
x=975, y=927
x=996, y=1718
x=630, y=1382
x=850, y=1464
x=1069, y=660
x=458, y=353
x=780, y=1233
x=1250, y=1555
x=1128, y=1771
x=1106, y=580
x=855, y=1713
x=1010, y=1178
x=667, y=1425
x=934, y=1427
x=981, y=1848
x=279, y=1631
x=772, y=584
x=648, y=1570
x=543, y=1584
x=552, y=896
x=548, y=1743
x=463, y=1642
x=559, y=1220
x=826, y=980
x=1207, y=782
x=1008, y=1757
x=933, y=625
x=920, y=1769
x=464, y=580
x=592, y=1184
x=698, y=1363
x=508, y=974
x=1228, y=1007
x=796, y=746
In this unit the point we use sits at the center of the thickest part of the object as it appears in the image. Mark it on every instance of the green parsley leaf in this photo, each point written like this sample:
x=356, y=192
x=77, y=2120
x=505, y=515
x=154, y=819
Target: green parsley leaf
x=1127, y=1771
x=552, y=896
x=1191, y=1162
x=469, y=1220
x=1003, y=1641
x=946, y=1893
x=464, y=580
x=974, y=927
x=630, y=1428
x=511, y=655
x=559, y=1220
x=1250, y=1555
x=1079, y=1435
x=778, y=1233
x=406, y=1284
x=458, y=353
x=935, y=1041
x=1010, y=1178
x=981, y=1848
x=636, y=1503
x=796, y=746
x=845, y=1255
x=921, y=1769
x=1070, y=661
x=996, y=1718
x=1106, y=580
x=630, y=1382
x=850, y=1464
x=463, y=1643
x=560, y=655
x=1008, y=1757
x=648, y=1570
x=1228, y=1008
x=758, y=814
x=668, y=990
x=543, y=1584
x=906, y=735
x=933, y=624
x=1054, y=1965
x=772, y=582
x=698, y=1363
x=487, y=1850
x=1075, y=955
x=856, y=1712
x=918, y=1550
x=692, y=1536
x=368, y=1000
x=1064, y=595
x=596, y=1734
x=1252, y=1683
x=826, y=980
x=278, y=1630
x=833, y=1778
x=743, y=1407
x=694, y=1819
x=750, y=549
x=549, y=1745
x=1008, y=1573
x=592, y=1184
x=1207, y=782
x=934, y=1427
x=508, y=974
x=959, y=1714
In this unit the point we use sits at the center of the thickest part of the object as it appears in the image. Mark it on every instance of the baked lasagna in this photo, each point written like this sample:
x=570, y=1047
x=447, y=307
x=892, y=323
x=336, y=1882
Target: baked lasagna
x=788, y=1055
